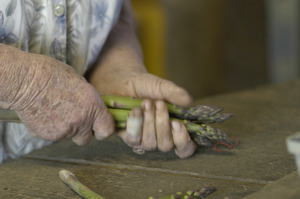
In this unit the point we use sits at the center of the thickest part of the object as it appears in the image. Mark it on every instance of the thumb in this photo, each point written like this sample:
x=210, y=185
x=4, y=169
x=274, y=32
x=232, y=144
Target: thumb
x=174, y=94
x=104, y=123
x=150, y=86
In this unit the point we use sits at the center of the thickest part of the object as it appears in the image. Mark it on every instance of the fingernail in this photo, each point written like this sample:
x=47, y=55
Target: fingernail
x=134, y=126
x=176, y=126
x=147, y=105
x=138, y=150
x=136, y=112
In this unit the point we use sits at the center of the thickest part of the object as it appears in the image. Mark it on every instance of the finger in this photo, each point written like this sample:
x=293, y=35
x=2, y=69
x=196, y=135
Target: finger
x=163, y=129
x=132, y=135
x=104, y=123
x=184, y=146
x=149, y=134
x=129, y=140
x=124, y=135
x=138, y=149
x=82, y=138
x=175, y=94
x=134, y=125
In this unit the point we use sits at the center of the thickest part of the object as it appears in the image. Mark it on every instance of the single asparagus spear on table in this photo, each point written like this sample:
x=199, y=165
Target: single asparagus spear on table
x=70, y=179
x=194, y=118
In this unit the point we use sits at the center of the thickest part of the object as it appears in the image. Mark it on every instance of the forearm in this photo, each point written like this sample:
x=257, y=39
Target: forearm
x=121, y=49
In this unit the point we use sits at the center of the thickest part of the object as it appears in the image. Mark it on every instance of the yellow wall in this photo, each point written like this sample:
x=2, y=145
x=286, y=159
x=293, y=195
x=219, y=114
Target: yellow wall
x=150, y=23
x=206, y=46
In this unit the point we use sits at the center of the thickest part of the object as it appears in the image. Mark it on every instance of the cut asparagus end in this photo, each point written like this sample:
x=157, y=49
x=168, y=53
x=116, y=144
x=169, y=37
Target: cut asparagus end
x=9, y=116
x=122, y=102
x=70, y=179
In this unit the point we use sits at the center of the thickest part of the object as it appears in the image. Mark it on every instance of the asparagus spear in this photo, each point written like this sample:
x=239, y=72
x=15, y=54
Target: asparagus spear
x=199, y=113
x=71, y=180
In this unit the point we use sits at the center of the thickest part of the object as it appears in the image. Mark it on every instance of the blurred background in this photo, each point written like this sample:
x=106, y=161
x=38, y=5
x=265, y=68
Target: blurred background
x=211, y=47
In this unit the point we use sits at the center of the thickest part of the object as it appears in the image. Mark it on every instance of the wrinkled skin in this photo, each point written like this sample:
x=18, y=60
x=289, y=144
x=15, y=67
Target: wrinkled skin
x=54, y=102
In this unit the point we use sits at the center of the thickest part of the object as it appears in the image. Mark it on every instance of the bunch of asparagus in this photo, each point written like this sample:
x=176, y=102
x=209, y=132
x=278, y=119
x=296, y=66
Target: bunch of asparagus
x=195, y=118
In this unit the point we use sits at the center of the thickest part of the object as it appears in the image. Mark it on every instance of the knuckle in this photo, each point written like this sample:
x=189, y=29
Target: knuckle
x=166, y=147
x=80, y=141
x=160, y=105
x=182, y=155
x=132, y=140
x=63, y=129
x=149, y=145
x=82, y=137
x=55, y=138
x=45, y=134
x=186, y=152
x=100, y=135
x=52, y=136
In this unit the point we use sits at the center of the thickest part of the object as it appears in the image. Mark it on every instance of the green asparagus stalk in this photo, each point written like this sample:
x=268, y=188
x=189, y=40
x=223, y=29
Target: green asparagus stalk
x=196, y=194
x=9, y=116
x=71, y=180
x=199, y=113
x=202, y=134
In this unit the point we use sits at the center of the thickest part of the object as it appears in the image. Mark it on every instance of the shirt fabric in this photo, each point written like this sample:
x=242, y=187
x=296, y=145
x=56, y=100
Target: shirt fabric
x=72, y=31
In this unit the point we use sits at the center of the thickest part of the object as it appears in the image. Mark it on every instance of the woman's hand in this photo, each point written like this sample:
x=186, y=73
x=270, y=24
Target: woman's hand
x=51, y=99
x=157, y=132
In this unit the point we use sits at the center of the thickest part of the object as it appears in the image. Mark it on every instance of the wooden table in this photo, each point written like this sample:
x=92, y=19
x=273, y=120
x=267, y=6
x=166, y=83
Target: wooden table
x=265, y=116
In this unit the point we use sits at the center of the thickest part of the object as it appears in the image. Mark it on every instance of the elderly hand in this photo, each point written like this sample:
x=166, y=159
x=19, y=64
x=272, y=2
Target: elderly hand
x=54, y=102
x=158, y=132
